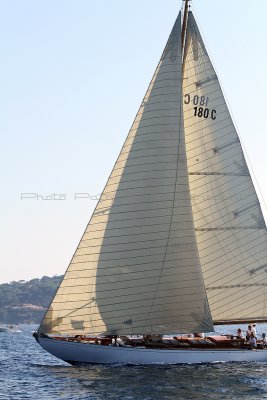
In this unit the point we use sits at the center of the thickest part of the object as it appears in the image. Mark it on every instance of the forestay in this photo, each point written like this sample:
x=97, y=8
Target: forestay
x=230, y=228
x=137, y=269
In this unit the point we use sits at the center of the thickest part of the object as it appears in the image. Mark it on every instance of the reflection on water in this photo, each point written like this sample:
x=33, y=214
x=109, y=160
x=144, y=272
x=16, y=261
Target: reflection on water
x=27, y=372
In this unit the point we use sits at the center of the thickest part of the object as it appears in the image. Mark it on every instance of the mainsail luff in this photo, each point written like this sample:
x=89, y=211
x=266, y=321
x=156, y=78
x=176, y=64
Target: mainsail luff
x=137, y=269
x=231, y=231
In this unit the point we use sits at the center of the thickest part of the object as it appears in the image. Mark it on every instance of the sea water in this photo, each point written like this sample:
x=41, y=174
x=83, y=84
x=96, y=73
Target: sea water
x=28, y=372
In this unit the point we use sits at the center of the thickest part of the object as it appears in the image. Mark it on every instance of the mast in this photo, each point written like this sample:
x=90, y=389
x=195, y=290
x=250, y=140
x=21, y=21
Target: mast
x=186, y=8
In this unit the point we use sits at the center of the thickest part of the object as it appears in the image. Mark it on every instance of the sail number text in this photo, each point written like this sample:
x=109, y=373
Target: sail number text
x=201, y=103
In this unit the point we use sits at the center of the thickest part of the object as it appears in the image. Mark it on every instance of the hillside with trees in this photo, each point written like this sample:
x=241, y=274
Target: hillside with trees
x=25, y=302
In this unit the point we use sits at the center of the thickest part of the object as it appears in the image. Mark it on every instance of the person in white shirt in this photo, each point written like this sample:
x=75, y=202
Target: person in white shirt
x=199, y=335
x=253, y=330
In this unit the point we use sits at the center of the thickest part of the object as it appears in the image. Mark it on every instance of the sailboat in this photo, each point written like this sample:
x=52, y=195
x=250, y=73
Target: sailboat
x=177, y=242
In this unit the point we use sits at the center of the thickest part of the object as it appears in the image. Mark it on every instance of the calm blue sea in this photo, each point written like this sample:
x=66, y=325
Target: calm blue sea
x=28, y=372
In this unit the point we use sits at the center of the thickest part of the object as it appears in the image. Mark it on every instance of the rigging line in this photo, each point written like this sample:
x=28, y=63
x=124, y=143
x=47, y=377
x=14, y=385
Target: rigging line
x=198, y=177
x=227, y=224
x=240, y=285
x=227, y=286
x=228, y=297
x=202, y=234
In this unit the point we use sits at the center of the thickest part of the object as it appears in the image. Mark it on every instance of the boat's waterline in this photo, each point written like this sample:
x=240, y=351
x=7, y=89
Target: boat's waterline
x=96, y=354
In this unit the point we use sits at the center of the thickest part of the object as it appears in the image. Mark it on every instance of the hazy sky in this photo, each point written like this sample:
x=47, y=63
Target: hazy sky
x=73, y=73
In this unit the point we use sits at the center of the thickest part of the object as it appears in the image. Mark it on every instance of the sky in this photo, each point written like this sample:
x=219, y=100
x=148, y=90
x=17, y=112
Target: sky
x=72, y=76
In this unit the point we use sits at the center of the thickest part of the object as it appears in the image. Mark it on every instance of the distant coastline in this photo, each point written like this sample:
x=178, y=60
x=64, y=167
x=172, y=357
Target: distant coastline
x=25, y=302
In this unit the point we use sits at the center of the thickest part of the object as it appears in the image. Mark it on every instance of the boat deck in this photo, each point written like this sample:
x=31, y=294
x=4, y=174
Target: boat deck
x=176, y=342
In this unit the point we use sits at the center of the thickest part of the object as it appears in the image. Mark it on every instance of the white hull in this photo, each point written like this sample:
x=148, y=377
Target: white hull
x=4, y=329
x=73, y=353
x=7, y=329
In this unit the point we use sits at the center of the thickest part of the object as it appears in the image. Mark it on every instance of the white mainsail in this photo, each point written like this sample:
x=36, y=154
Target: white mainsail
x=137, y=269
x=230, y=228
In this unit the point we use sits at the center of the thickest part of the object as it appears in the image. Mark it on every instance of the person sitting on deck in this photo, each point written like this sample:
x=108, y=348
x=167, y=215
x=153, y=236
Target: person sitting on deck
x=248, y=333
x=264, y=339
x=199, y=335
x=239, y=334
x=252, y=343
x=78, y=338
